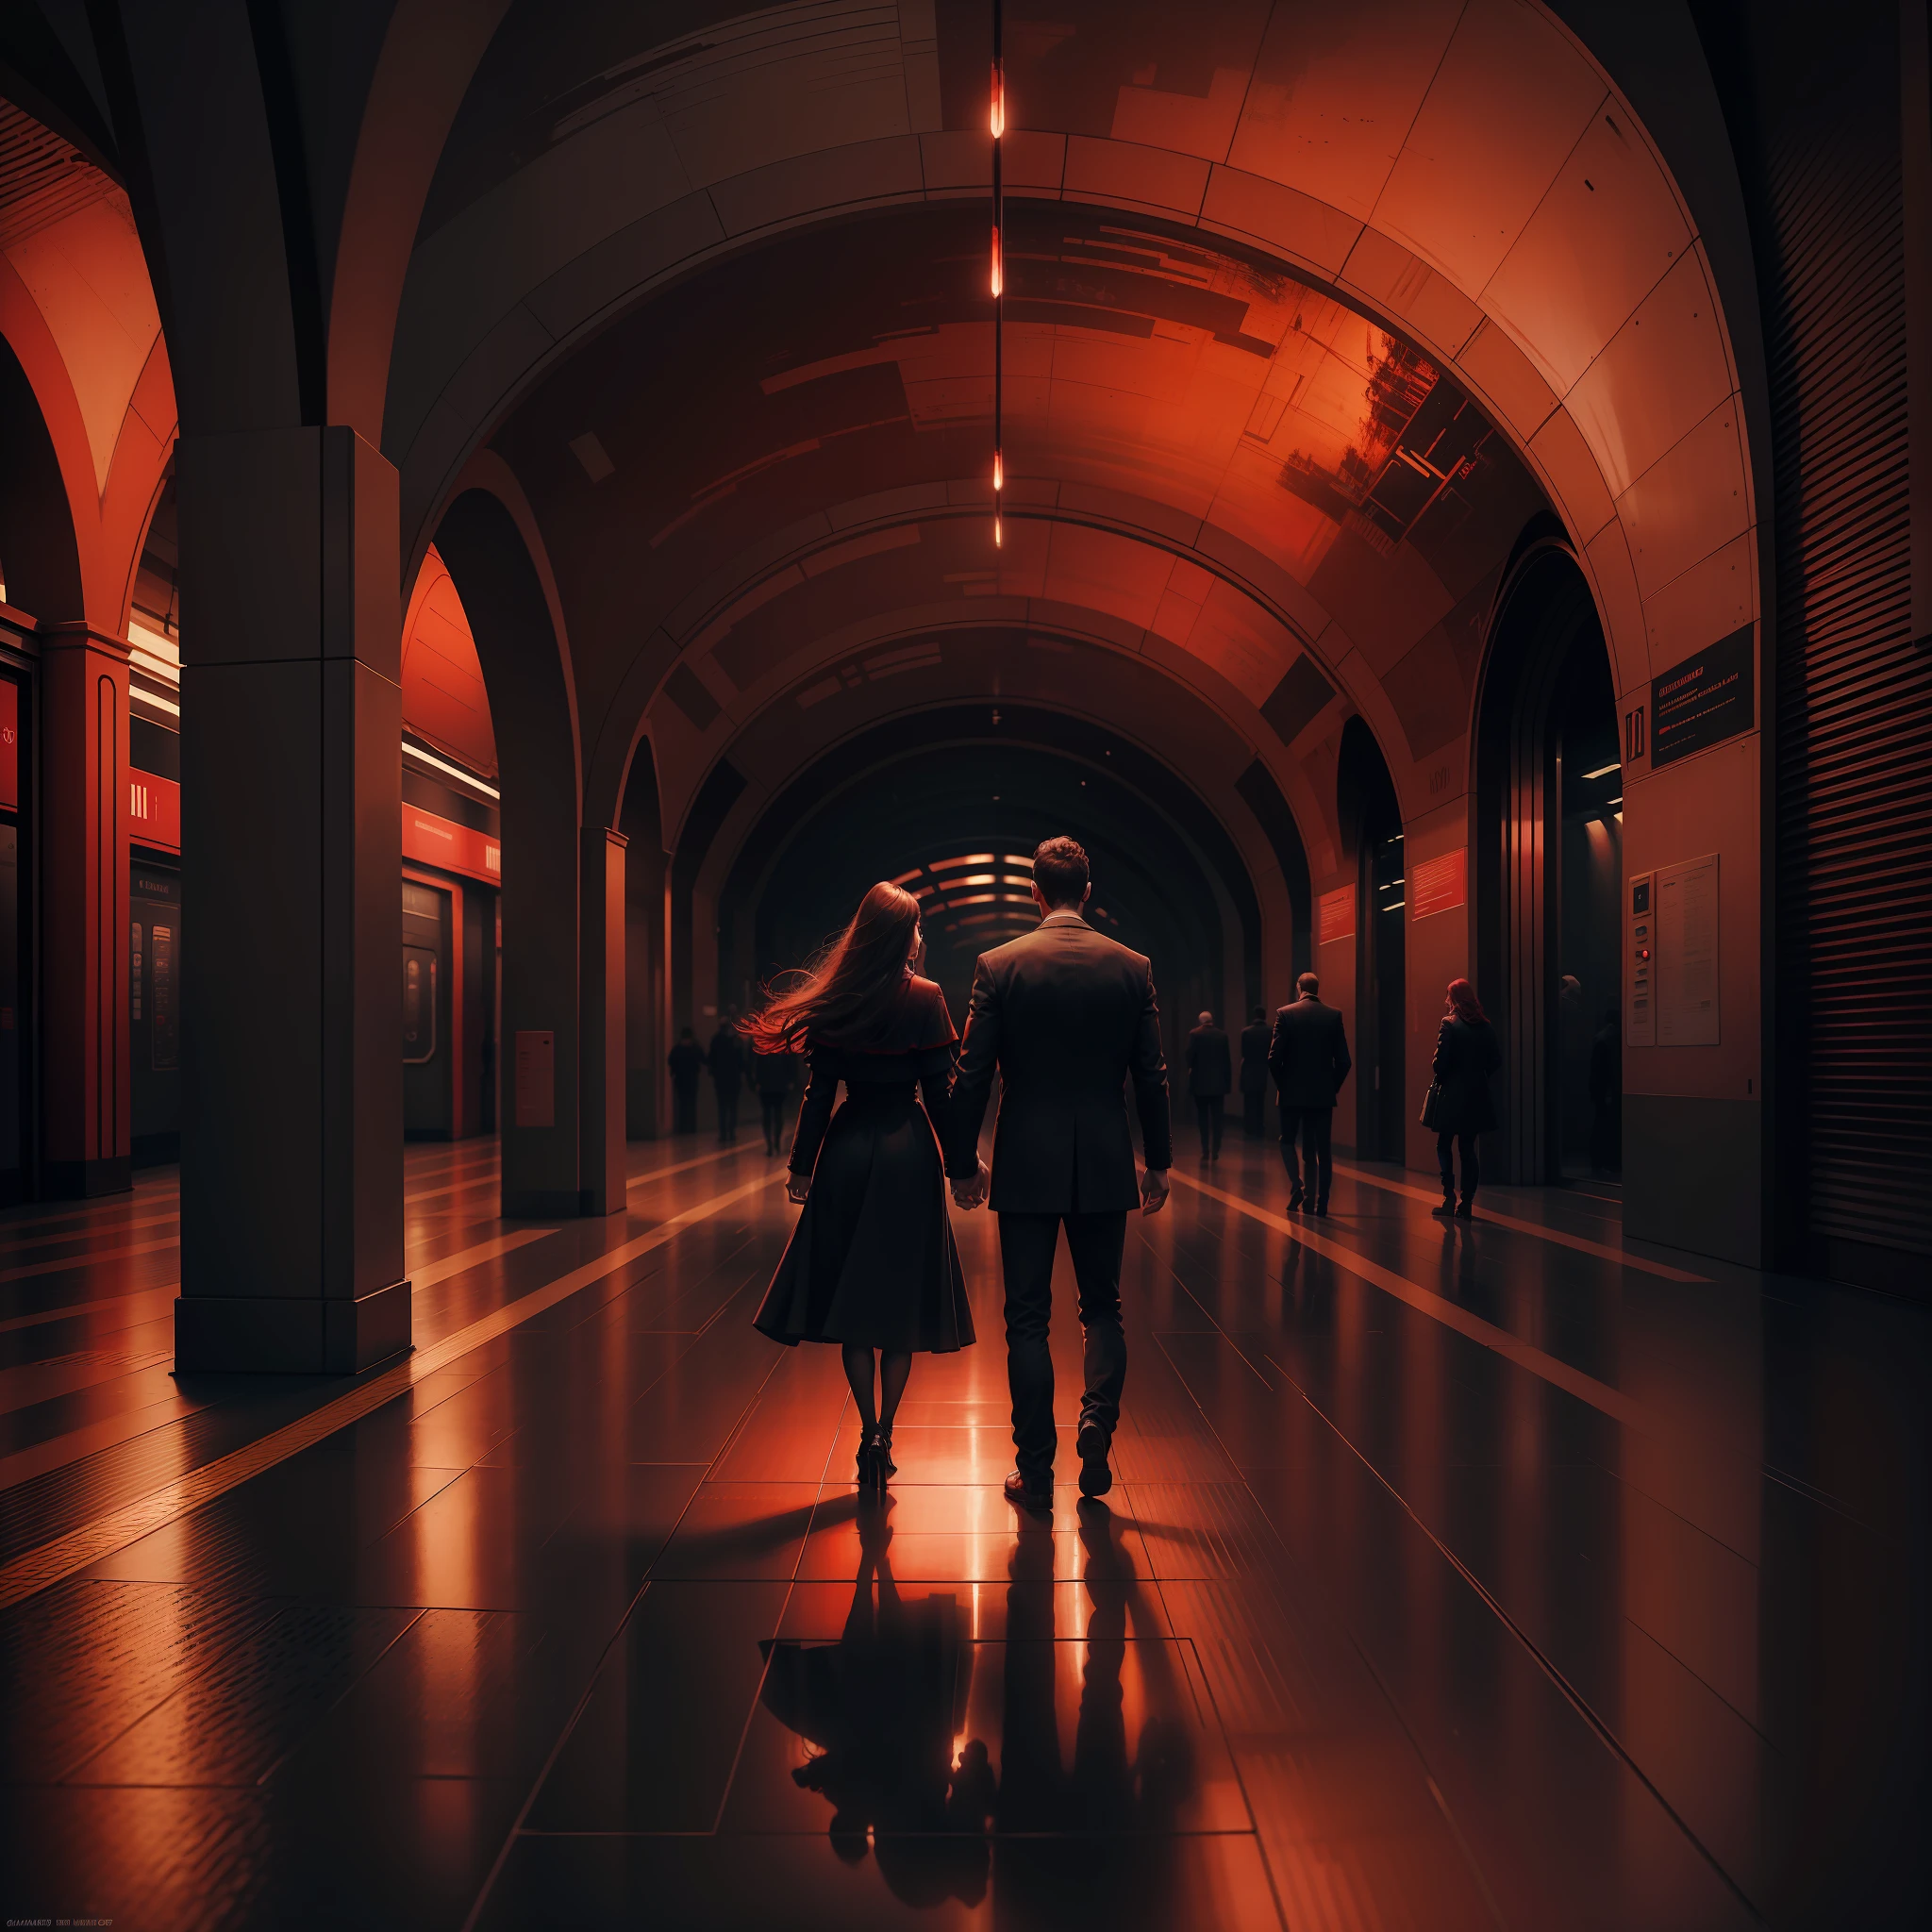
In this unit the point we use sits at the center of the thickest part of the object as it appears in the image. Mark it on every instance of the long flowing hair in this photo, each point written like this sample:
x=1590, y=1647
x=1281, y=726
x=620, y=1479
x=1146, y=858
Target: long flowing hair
x=1468, y=1007
x=850, y=984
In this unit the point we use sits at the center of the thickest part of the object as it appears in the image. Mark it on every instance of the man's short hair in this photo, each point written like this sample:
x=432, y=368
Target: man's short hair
x=1207, y=1019
x=1308, y=982
x=1260, y=1013
x=1061, y=870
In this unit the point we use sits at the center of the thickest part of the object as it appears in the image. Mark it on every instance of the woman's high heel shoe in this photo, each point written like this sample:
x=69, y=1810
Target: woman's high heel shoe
x=866, y=1475
x=882, y=1451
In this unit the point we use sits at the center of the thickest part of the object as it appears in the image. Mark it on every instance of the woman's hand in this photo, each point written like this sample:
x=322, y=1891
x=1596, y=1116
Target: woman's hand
x=798, y=1187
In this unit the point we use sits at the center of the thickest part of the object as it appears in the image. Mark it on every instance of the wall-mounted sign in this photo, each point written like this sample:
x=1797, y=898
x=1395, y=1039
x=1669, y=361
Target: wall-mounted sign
x=154, y=812
x=1703, y=700
x=9, y=745
x=1439, y=884
x=442, y=843
x=536, y=1080
x=1687, y=985
x=1334, y=916
x=1639, y=960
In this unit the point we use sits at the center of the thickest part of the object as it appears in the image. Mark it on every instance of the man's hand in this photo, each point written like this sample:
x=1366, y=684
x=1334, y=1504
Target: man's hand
x=1153, y=1190
x=970, y=1195
x=798, y=1187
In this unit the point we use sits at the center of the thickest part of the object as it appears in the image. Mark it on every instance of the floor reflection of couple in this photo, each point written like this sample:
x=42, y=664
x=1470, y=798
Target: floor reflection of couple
x=885, y=1705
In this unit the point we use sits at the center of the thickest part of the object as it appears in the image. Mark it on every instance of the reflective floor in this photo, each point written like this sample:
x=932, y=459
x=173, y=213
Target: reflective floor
x=1455, y=1575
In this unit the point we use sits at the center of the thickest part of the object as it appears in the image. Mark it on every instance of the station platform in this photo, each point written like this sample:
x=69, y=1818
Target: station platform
x=1454, y=1575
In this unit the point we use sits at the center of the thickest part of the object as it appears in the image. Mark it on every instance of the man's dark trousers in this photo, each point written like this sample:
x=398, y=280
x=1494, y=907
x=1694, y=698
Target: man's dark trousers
x=1028, y=1243
x=727, y=1109
x=1311, y=1178
x=1211, y=1115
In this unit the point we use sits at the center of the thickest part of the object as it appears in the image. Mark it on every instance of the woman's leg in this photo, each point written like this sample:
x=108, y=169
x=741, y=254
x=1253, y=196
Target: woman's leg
x=857, y=1362
x=1472, y=1168
x=1446, y=1159
x=894, y=1366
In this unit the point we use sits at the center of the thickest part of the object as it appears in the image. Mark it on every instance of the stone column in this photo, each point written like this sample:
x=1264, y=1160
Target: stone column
x=601, y=1164
x=84, y=907
x=292, y=1139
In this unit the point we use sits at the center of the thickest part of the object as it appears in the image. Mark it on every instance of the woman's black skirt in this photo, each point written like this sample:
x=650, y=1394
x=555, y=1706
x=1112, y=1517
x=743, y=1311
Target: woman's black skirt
x=872, y=1261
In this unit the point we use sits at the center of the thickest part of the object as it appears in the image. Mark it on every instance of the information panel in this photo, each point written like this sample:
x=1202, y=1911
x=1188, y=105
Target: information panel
x=1335, y=919
x=1639, y=960
x=1686, y=984
x=1439, y=884
x=1703, y=700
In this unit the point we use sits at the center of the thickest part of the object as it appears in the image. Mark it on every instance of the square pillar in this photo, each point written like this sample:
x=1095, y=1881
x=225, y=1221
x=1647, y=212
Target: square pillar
x=84, y=908
x=601, y=1171
x=291, y=1131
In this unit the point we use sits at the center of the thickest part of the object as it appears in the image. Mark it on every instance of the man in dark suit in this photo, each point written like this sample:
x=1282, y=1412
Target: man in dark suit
x=687, y=1064
x=1255, y=1038
x=1065, y=1016
x=1210, y=1074
x=726, y=1061
x=1309, y=1061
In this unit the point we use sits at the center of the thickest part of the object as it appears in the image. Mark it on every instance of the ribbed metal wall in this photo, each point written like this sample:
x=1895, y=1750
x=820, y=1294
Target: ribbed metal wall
x=1855, y=696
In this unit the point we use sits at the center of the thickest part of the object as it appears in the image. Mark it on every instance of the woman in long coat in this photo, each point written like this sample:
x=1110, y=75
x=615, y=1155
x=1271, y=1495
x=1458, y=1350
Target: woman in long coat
x=1466, y=1055
x=870, y=1265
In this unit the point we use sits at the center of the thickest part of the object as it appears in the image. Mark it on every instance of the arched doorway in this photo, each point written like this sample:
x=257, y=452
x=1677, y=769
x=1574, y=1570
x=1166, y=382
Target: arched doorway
x=1549, y=858
x=1370, y=819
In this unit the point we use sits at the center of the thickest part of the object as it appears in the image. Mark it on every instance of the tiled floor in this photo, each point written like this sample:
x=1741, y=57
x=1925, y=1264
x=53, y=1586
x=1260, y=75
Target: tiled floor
x=1454, y=1575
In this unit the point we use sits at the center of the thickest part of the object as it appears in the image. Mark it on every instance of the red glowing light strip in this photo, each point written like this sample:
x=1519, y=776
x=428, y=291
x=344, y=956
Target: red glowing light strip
x=996, y=121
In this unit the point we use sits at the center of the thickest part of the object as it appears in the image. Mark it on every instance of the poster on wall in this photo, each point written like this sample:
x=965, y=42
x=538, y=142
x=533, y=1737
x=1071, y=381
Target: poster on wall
x=1334, y=916
x=1687, y=983
x=9, y=745
x=1439, y=884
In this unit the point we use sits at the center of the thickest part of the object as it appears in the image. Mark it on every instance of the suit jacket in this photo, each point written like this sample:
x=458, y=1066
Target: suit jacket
x=1255, y=1043
x=1065, y=1016
x=1210, y=1067
x=1309, y=1057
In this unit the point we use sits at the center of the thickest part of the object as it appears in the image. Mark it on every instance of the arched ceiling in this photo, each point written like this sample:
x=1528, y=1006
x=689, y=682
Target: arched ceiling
x=1459, y=174
x=1213, y=467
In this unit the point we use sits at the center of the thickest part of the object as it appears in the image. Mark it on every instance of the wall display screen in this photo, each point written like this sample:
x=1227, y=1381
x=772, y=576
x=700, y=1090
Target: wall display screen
x=163, y=1026
x=1639, y=961
x=1439, y=884
x=1334, y=916
x=9, y=745
x=1702, y=701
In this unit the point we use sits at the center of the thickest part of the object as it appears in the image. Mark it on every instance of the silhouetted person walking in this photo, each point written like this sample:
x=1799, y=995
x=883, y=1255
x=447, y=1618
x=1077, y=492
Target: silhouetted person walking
x=773, y=1077
x=1309, y=1061
x=687, y=1064
x=1210, y=1074
x=727, y=1062
x=1064, y=1016
x=1254, y=1039
x=1467, y=1054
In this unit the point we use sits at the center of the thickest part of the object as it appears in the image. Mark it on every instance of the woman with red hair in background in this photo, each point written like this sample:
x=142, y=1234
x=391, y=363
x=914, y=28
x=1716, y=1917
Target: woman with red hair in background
x=1466, y=1055
x=870, y=1265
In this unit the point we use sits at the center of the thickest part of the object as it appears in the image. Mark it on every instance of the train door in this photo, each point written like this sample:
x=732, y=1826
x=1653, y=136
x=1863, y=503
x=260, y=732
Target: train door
x=154, y=1030
x=428, y=1051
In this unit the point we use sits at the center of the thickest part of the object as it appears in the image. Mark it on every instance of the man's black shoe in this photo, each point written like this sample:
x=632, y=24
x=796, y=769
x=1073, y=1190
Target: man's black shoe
x=1095, y=1477
x=1294, y=1202
x=1022, y=1495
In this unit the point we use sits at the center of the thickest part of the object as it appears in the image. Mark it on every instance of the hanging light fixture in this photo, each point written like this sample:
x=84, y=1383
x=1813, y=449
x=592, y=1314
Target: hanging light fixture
x=997, y=121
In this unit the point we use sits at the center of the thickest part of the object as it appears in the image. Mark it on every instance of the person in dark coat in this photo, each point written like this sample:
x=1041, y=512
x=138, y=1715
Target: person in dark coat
x=773, y=1077
x=1066, y=1017
x=687, y=1064
x=726, y=1059
x=1254, y=1039
x=1467, y=1056
x=1308, y=1058
x=1210, y=1074
x=870, y=1265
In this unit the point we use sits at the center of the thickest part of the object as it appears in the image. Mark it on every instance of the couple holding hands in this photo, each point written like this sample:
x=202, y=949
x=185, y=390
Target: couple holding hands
x=1066, y=1016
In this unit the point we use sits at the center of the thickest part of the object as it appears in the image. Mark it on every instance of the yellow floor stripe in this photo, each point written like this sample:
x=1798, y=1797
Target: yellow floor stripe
x=1583, y=1246
x=37, y=1569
